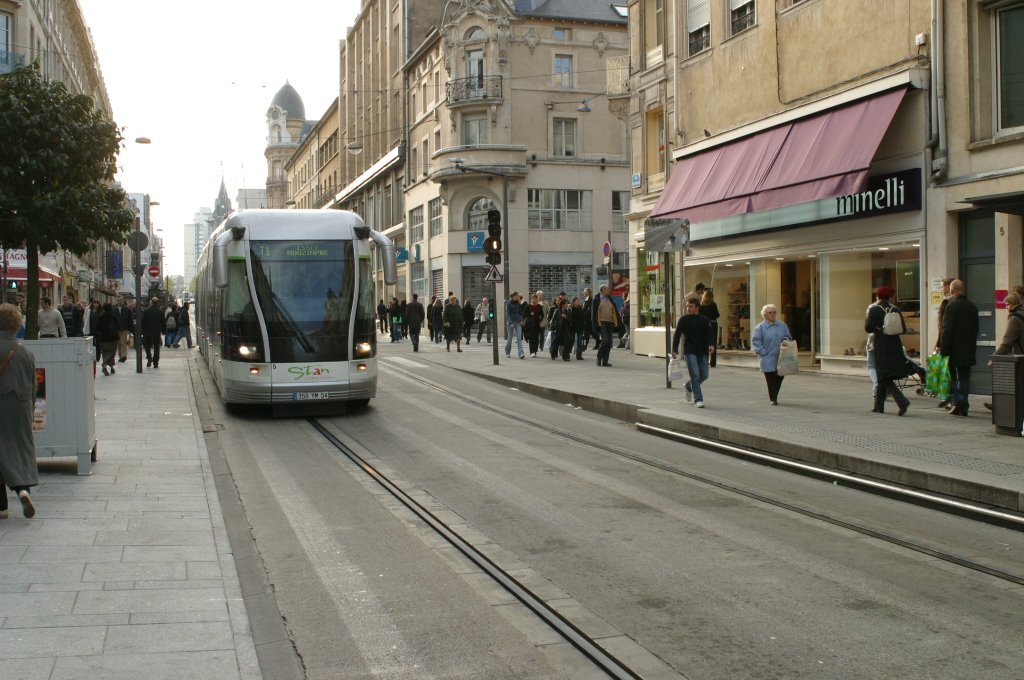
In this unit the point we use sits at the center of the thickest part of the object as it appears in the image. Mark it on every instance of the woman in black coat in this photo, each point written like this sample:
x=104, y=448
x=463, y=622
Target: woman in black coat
x=435, y=314
x=890, y=359
x=108, y=331
x=468, y=318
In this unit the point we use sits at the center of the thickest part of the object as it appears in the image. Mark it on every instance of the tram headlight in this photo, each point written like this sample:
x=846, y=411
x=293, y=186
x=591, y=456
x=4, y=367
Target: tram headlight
x=364, y=349
x=247, y=351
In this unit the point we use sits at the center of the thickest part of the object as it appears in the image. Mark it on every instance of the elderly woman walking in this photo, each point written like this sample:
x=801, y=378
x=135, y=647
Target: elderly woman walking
x=767, y=340
x=17, y=400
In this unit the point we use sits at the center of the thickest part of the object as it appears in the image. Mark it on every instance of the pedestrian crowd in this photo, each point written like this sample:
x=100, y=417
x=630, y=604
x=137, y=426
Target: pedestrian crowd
x=564, y=328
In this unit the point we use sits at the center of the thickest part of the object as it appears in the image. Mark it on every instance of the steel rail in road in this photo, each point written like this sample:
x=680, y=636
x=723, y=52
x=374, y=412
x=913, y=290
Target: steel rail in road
x=988, y=515
x=565, y=628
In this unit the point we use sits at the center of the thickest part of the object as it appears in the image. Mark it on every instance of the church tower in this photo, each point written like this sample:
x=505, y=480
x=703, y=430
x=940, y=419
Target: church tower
x=222, y=207
x=285, y=120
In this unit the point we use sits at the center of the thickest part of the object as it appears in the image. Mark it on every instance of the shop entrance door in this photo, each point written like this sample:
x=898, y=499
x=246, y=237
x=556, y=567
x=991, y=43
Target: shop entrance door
x=980, y=277
x=796, y=305
x=978, y=272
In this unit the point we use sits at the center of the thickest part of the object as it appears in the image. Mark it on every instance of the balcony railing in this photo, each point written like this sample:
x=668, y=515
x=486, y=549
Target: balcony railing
x=476, y=88
x=10, y=60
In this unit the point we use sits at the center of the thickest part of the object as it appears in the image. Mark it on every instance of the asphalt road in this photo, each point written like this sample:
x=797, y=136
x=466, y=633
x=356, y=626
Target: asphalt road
x=701, y=581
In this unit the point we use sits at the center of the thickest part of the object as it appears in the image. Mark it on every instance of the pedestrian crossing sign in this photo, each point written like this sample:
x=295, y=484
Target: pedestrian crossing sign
x=494, y=276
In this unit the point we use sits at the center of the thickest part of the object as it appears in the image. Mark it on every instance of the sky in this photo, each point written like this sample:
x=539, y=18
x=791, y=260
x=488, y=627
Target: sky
x=197, y=81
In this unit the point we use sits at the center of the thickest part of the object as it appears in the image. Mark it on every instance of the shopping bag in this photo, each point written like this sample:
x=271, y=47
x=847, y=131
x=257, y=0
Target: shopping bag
x=548, y=337
x=675, y=369
x=789, y=359
x=937, y=378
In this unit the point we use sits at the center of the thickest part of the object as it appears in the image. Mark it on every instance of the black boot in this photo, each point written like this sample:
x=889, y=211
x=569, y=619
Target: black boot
x=879, y=406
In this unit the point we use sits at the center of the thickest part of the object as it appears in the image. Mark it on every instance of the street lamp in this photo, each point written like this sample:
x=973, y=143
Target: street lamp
x=459, y=164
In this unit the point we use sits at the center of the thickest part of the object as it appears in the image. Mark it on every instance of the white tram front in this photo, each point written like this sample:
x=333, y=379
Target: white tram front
x=285, y=307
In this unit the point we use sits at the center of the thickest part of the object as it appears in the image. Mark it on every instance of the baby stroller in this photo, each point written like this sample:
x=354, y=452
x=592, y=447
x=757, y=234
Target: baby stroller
x=915, y=378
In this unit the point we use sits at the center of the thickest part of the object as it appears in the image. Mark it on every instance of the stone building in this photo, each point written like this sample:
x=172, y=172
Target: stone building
x=286, y=126
x=54, y=36
x=819, y=149
x=446, y=108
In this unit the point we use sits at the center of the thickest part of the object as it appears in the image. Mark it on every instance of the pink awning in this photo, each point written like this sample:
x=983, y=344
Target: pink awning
x=817, y=157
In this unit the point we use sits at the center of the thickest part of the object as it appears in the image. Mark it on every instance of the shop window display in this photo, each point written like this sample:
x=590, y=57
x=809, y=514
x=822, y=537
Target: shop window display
x=731, y=286
x=848, y=281
x=650, y=278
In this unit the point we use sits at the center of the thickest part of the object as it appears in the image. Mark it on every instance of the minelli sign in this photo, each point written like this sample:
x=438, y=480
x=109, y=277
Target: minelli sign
x=885, y=194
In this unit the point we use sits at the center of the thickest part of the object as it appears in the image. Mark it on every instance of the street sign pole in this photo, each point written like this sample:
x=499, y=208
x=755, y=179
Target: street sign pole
x=138, y=241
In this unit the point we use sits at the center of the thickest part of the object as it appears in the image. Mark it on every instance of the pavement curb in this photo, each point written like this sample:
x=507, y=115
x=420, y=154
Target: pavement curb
x=891, y=468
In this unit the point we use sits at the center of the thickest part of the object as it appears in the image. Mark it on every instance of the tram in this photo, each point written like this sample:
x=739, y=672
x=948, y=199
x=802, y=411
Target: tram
x=285, y=308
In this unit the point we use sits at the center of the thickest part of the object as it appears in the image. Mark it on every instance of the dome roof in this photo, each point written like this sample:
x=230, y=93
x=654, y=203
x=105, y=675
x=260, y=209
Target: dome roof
x=289, y=100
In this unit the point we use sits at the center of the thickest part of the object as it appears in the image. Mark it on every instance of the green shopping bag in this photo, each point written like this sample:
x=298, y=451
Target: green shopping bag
x=937, y=380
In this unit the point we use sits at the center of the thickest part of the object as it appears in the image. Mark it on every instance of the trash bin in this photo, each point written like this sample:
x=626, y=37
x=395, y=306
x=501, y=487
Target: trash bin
x=64, y=423
x=1008, y=393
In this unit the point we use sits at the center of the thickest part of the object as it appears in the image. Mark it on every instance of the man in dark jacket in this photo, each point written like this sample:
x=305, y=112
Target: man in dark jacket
x=694, y=330
x=468, y=319
x=125, y=326
x=153, y=332
x=74, y=317
x=959, y=341
x=414, y=315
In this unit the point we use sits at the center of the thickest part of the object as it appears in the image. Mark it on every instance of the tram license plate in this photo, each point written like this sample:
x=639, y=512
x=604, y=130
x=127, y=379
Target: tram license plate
x=302, y=396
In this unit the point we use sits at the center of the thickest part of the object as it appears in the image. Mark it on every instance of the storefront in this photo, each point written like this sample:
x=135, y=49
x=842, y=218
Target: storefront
x=810, y=216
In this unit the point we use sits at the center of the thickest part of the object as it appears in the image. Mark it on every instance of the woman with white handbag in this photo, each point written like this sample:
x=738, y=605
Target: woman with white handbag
x=776, y=352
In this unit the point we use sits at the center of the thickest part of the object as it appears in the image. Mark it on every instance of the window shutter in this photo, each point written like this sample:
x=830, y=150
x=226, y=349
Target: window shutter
x=736, y=4
x=698, y=14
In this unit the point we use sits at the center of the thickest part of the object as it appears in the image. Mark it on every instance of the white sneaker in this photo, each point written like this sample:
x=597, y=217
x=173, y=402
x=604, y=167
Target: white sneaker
x=699, y=404
x=688, y=395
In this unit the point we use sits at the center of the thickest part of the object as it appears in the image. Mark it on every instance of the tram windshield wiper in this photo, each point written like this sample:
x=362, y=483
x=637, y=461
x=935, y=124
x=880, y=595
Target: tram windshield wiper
x=288, y=322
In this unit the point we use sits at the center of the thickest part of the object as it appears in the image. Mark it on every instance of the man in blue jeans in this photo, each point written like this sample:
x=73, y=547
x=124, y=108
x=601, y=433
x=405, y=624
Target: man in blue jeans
x=514, y=324
x=695, y=330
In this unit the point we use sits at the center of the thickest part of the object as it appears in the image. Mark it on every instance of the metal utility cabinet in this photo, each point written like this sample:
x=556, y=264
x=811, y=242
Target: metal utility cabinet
x=1008, y=393
x=64, y=423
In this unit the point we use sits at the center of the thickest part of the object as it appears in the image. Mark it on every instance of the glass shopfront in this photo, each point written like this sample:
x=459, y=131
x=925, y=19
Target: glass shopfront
x=821, y=296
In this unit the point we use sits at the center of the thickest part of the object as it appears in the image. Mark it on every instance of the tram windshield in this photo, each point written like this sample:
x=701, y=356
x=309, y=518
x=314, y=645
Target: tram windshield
x=304, y=290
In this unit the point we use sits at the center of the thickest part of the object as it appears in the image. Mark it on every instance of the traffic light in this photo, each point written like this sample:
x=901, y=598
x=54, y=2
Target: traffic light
x=492, y=244
x=490, y=309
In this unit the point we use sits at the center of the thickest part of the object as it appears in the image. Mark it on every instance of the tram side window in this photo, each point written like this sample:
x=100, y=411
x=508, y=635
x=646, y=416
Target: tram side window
x=239, y=313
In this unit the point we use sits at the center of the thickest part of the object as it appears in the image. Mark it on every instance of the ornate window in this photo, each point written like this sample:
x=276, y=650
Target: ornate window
x=563, y=70
x=742, y=15
x=416, y=225
x=474, y=129
x=1009, y=67
x=698, y=25
x=563, y=142
x=559, y=209
x=476, y=215
x=436, y=223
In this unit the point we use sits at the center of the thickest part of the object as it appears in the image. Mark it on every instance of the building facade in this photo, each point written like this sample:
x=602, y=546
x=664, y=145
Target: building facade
x=818, y=149
x=314, y=168
x=53, y=35
x=448, y=110
x=196, y=233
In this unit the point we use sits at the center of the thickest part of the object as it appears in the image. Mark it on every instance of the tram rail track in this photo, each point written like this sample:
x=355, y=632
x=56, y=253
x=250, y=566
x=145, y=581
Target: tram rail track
x=587, y=645
x=968, y=510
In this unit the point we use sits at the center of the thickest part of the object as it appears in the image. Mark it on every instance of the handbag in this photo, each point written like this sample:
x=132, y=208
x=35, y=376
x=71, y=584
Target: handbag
x=675, y=369
x=789, y=360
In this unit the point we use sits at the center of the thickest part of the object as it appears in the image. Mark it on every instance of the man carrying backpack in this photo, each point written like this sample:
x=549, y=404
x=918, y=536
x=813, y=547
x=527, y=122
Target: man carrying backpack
x=885, y=323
